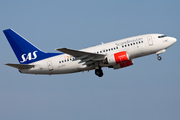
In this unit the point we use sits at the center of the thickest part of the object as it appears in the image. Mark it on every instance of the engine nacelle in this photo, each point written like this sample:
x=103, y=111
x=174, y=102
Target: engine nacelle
x=123, y=64
x=117, y=58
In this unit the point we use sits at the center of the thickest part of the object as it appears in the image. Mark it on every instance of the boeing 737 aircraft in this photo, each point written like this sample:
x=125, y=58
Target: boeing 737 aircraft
x=116, y=55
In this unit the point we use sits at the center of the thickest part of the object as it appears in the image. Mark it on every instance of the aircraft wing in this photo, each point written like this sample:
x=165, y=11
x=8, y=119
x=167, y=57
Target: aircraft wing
x=20, y=66
x=87, y=57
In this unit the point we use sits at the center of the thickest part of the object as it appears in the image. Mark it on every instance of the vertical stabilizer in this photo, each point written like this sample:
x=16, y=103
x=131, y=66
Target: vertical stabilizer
x=25, y=51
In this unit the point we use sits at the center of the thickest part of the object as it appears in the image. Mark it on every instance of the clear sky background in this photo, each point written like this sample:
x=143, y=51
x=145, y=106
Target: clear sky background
x=148, y=90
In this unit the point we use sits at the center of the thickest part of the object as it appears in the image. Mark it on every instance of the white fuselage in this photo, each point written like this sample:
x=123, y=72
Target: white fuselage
x=137, y=46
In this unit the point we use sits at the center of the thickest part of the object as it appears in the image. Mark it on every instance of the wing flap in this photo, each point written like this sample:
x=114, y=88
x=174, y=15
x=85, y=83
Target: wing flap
x=20, y=66
x=86, y=60
x=80, y=58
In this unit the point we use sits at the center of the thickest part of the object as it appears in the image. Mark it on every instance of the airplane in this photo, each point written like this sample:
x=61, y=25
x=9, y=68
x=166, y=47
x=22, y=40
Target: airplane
x=117, y=54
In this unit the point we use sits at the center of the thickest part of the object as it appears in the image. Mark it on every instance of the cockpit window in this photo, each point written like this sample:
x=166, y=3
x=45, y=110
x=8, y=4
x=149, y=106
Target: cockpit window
x=162, y=36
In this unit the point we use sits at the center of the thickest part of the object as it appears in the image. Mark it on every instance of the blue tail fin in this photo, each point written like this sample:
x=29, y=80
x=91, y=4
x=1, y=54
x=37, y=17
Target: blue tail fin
x=25, y=51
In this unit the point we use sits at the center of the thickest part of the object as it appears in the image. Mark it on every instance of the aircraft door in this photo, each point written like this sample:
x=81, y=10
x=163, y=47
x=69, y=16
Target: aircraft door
x=150, y=40
x=50, y=66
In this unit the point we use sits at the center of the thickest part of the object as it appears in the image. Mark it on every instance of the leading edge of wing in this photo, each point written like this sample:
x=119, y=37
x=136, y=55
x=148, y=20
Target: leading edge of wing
x=81, y=54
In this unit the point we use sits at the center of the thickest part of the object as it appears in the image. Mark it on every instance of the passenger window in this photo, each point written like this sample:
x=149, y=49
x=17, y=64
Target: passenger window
x=125, y=45
x=100, y=51
x=142, y=41
x=62, y=61
x=133, y=43
x=97, y=52
x=67, y=59
x=136, y=42
x=139, y=42
x=107, y=50
x=59, y=61
x=111, y=48
x=116, y=47
x=128, y=44
x=122, y=46
x=103, y=50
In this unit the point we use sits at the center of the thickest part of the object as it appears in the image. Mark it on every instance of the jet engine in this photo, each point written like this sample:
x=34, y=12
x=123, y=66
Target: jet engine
x=118, y=60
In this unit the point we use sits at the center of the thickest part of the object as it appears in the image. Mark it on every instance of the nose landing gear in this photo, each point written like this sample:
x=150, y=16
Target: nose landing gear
x=159, y=52
x=159, y=57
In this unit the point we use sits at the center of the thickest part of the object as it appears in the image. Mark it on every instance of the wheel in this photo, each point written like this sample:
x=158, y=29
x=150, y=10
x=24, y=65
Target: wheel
x=99, y=72
x=159, y=58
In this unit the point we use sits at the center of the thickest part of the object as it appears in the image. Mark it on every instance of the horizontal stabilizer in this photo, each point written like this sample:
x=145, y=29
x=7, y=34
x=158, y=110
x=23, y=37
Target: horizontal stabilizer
x=20, y=66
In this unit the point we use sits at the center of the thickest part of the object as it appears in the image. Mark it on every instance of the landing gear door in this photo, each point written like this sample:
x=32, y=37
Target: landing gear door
x=50, y=67
x=150, y=41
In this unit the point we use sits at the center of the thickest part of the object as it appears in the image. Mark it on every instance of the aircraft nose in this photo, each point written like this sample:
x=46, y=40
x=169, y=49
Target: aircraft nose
x=171, y=41
x=174, y=40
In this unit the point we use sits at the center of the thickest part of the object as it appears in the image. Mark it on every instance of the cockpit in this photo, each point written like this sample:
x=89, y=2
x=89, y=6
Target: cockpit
x=162, y=36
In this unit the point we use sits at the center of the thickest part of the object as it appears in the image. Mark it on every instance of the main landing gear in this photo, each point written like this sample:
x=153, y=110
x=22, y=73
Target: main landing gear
x=159, y=57
x=99, y=72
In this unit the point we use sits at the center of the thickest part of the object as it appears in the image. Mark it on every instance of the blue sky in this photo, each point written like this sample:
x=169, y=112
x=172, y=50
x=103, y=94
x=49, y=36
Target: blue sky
x=147, y=90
